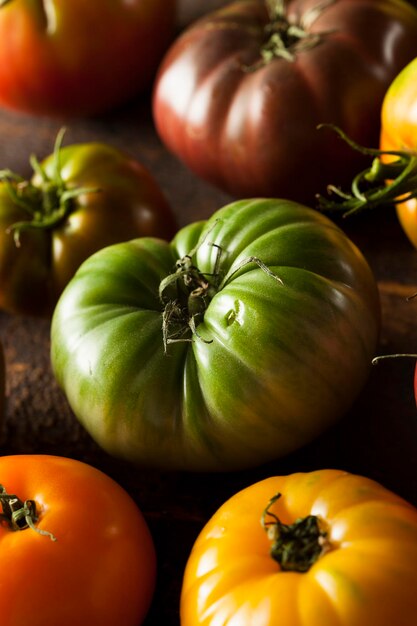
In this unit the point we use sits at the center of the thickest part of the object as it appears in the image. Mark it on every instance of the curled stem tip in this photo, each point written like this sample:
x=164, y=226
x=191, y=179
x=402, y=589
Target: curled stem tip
x=19, y=515
x=390, y=180
x=296, y=547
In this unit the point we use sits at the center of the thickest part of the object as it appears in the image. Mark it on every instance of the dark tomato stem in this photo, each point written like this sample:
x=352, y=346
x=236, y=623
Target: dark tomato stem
x=20, y=515
x=296, y=547
x=286, y=36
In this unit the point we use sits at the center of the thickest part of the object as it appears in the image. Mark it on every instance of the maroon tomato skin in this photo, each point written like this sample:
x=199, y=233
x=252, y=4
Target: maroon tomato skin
x=251, y=129
x=80, y=58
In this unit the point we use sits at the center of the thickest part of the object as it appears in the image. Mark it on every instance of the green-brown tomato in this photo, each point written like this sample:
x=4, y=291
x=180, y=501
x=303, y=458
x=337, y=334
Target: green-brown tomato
x=81, y=198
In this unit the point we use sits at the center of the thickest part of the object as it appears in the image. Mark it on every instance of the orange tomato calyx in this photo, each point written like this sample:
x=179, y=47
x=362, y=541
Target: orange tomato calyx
x=46, y=201
x=297, y=546
x=391, y=179
x=19, y=515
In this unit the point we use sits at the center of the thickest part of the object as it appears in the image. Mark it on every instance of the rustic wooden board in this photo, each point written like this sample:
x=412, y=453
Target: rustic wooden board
x=377, y=438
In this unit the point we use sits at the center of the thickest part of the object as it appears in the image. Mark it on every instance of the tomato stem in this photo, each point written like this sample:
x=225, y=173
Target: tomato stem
x=384, y=183
x=185, y=294
x=285, y=35
x=296, y=547
x=407, y=355
x=20, y=515
x=47, y=203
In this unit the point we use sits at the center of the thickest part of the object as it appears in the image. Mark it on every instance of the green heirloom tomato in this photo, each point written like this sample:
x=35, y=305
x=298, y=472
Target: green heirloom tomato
x=238, y=342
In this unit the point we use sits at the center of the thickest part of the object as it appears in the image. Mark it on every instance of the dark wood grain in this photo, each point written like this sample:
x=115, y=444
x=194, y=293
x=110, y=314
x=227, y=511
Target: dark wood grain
x=377, y=438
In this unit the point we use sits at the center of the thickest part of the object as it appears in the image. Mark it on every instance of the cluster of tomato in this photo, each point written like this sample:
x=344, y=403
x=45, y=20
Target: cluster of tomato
x=241, y=319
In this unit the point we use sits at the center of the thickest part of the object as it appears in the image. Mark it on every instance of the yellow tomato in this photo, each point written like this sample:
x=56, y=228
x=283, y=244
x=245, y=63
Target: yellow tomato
x=399, y=132
x=392, y=177
x=340, y=550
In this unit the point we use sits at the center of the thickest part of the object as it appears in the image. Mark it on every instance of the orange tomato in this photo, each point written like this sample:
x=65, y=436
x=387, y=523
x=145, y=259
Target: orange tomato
x=359, y=569
x=86, y=557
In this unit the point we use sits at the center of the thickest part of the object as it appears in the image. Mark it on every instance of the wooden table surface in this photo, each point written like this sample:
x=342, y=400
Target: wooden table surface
x=377, y=438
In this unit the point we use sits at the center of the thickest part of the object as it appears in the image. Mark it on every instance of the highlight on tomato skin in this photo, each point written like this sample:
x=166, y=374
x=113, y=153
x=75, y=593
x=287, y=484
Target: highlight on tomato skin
x=78, y=549
x=315, y=548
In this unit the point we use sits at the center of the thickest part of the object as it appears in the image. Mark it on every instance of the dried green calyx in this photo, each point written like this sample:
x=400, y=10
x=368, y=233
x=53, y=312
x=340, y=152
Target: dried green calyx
x=19, y=515
x=296, y=547
x=285, y=35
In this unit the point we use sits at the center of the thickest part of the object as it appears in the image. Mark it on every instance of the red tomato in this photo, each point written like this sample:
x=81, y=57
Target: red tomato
x=239, y=96
x=79, y=57
x=94, y=562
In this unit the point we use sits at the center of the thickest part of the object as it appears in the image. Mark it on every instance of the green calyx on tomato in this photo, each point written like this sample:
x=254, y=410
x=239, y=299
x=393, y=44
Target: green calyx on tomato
x=187, y=293
x=297, y=546
x=285, y=36
x=49, y=202
x=20, y=515
x=370, y=188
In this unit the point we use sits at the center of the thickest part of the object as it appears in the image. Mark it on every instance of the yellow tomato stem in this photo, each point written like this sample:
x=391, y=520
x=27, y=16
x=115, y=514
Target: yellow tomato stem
x=20, y=515
x=297, y=546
